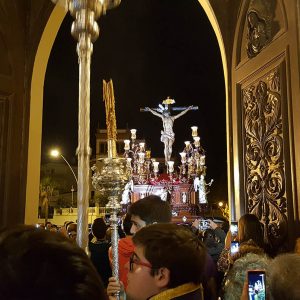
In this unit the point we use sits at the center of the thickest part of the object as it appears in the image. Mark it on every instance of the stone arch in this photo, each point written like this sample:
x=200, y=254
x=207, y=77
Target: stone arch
x=36, y=103
x=36, y=112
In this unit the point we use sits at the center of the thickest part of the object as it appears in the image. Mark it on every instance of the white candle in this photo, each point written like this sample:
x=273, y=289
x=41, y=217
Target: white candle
x=127, y=145
x=183, y=157
x=197, y=141
x=170, y=166
x=194, y=130
x=133, y=134
x=187, y=145
x=142, y=146
x=202, y=160
x=155, y=166
x=141, y=157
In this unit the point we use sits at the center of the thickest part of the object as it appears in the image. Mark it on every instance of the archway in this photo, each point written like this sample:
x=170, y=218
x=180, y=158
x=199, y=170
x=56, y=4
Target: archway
x=36, y=112
x=38, y=75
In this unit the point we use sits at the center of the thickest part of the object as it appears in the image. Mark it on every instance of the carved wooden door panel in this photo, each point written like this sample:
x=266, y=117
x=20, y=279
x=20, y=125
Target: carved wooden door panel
x=264, y=89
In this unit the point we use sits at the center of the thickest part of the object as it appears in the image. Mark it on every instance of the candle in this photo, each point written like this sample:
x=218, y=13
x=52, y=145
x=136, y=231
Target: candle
x=202, y=160
x=194, y=130
x=141, y=157
x=133, y=134
x=142, y=146
x=183, y=157
x=197, y=141
x=127, y=145
x=187, y=145
x=155, y=166
x=170, y=166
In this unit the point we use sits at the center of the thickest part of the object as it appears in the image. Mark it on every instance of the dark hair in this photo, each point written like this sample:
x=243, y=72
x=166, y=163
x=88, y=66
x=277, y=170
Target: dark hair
x=249, y=228
x=174, y=247
x=99, y=228
x=209, y=234
x=225, y=226
x=39, y=264
x=152, y=209
x=71, y=227
x=126, y=223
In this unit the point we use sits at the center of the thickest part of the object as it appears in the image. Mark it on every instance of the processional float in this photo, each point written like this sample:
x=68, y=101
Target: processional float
x=189, y=174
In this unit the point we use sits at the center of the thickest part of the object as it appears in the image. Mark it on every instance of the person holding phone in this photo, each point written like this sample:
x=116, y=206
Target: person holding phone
x=249, y=231
x=214, y=240
x=248, y=278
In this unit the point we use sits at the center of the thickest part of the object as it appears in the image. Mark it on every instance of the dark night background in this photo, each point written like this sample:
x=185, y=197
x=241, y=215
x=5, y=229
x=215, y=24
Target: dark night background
x=151, y=49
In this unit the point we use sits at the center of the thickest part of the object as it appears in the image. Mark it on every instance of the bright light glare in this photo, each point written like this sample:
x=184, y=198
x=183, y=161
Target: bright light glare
x=54, y=153
x=221, y=203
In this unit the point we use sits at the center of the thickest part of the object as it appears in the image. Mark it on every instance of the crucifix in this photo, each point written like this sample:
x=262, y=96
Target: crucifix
x=164, y=112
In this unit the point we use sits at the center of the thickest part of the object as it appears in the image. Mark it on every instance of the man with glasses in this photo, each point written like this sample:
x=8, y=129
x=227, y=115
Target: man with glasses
x=146, y=211
x=167, y=263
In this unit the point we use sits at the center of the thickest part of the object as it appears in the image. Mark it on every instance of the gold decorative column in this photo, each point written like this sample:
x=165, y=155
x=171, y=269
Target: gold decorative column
x=111, y=124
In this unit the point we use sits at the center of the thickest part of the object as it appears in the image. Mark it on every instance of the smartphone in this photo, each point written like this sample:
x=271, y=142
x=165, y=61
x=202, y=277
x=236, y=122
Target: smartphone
x=256, y=284
x=234, y=228
x=234, y=247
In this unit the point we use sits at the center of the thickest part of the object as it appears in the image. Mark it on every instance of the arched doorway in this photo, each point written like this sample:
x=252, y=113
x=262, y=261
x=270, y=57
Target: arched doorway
x=37, y=94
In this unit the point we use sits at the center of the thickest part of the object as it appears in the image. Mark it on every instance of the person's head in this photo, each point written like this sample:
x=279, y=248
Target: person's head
x=45, y=264
x=166, y=113
x=225, y=226
x=244, y=248
x=209, y=237
x=249, y=228
x=285, y=277
x=99, y=228
x=149, y=210
x=237, y=275
x=72, y=231
x=108, y=234
x=126, y=224
x=48, y=225
x=166, y=256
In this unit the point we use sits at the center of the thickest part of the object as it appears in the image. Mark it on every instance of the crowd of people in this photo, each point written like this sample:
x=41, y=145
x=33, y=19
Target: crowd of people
x=157, y=260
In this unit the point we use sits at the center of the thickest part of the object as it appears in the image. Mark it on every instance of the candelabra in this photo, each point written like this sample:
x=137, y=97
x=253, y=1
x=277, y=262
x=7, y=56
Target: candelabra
x=192, y=158
x=139, y=159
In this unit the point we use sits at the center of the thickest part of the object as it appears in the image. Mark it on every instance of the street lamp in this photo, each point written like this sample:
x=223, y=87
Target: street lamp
x=56, y=153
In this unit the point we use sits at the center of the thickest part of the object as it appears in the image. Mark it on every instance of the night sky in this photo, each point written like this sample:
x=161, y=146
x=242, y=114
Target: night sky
x=151, y=49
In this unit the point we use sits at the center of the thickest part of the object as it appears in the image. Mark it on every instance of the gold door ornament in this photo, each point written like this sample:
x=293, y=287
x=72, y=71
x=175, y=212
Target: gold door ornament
x=263, y=156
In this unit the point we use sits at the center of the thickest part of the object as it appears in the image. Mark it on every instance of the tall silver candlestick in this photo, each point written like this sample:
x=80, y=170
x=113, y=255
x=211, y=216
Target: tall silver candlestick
x=109, y=178
x=86, y=31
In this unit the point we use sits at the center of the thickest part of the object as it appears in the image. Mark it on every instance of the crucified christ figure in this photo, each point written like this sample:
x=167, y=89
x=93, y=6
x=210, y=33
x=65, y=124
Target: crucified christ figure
x=168, y=135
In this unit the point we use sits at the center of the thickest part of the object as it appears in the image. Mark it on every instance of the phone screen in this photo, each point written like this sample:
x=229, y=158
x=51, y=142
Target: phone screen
x=234, y=228
x=256, y=285
x=234, y=247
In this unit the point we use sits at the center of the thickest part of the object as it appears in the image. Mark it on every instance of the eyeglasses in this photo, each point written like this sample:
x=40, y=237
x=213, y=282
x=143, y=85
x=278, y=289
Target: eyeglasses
x=134, y=260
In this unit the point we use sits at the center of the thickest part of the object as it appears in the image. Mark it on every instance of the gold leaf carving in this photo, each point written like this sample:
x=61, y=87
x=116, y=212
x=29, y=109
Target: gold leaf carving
x=264, y=166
